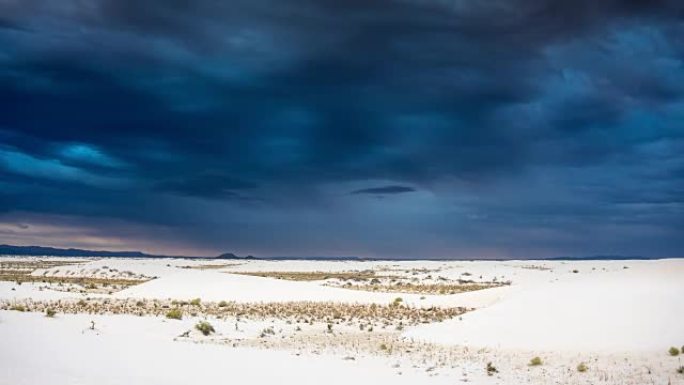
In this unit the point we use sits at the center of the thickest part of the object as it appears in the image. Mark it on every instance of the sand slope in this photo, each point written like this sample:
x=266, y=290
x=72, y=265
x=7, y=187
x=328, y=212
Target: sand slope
x=640, y=308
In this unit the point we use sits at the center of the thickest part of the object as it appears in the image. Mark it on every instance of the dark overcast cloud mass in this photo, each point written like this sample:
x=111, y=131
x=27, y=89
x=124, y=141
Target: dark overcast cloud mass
x=416, y=128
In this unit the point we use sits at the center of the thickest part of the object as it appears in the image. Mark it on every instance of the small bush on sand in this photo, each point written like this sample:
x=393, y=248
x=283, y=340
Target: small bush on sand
x=582, y=367
x=205, y=327
x=174, y=314
x=680, y=370
x=673, y=351
x=196, y=302
x=491, y=369
x=18, y=308
x=222, y=304
x=397, y=301
x=50, y=313
x=536, y=361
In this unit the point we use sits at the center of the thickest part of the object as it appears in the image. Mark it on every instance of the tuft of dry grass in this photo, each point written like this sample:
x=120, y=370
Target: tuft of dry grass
x=582, y=367
x=673, y=351
x=205, y=328
x=175, y=314
x=536, y=361
x=491, y=369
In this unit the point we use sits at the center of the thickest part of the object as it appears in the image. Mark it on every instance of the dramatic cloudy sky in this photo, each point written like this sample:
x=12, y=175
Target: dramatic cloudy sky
x=404, y=128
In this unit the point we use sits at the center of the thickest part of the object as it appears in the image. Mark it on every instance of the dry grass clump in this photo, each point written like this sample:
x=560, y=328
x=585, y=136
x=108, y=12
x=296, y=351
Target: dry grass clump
x=680, y=370
x=205, y=328
x=673, y=351
x=20, y=308
x=312, y=275
x=491, y=369
x=196, y=302
x=175, y=314
x=582, y=367
x=50, y=313
x=536, y=361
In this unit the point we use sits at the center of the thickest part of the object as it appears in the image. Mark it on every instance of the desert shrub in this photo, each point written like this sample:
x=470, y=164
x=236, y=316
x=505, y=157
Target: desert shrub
x=582, y=367
x=266, y=332
x=21, y=308
x=680, y=370
x=222, y=304
x=491, y=369
x=174, y=314
x=383, y=347
x=575, y=271
x=536, y=361
x=81, y=302
x=50, y=313
x=140, y=304
x=673, y=351
x=205, y=327
x=397, y=301
x=196, y=302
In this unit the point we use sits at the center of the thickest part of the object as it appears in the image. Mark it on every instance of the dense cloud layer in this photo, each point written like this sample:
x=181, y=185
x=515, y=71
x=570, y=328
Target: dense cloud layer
x=391, y=128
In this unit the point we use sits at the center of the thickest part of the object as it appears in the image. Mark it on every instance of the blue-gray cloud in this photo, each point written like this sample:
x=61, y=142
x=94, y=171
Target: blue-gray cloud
x=244, y=125
x=385, y=190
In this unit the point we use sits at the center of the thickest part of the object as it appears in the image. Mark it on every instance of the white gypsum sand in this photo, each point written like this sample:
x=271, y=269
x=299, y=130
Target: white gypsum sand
x=619, y=318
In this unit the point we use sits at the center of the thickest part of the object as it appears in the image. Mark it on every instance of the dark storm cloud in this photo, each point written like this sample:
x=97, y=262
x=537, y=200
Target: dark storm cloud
x=384, y=190
x=186, y=113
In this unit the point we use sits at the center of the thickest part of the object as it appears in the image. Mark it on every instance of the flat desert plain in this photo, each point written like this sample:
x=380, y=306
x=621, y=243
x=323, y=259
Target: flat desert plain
x=181, y=321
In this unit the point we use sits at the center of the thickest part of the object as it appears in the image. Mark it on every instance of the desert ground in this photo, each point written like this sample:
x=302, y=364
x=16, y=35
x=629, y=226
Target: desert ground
x=181, y=321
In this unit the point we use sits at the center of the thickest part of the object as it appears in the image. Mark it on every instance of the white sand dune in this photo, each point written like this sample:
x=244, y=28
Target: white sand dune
x=619, y=320
x=637, y=309
x=140, y=351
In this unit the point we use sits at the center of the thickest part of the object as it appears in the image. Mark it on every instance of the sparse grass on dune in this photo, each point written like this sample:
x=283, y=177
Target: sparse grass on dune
x=368, y=280
x=21, y=271
x=83, y=281
x=211, y=266
x=296, y=312
x=312, y=275
x=418, y=288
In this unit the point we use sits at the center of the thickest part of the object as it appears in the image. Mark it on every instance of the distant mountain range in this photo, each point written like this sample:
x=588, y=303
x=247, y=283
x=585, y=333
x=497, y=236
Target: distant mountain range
x=57, y=252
